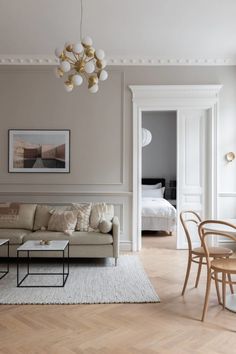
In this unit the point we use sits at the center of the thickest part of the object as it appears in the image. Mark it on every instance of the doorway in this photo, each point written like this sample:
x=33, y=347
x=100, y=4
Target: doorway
x=197, y=115
x=159, y=173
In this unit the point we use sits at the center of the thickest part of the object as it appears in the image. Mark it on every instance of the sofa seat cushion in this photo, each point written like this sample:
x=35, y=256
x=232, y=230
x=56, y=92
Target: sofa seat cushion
x=77, y=237
x=15, y=236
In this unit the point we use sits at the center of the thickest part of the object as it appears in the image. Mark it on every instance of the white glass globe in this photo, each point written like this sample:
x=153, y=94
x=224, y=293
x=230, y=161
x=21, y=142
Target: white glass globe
x=78, y=48
x=87, y=41
x=103, y=75
x=89, y=67
x=65, y=66
x=77, y=80
x=94, y=88
x=58, y=52
x=100, y=54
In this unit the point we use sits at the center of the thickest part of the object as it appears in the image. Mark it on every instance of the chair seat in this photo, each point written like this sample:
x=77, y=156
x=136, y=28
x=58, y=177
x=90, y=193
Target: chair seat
x=227, y=265
x=213, y=251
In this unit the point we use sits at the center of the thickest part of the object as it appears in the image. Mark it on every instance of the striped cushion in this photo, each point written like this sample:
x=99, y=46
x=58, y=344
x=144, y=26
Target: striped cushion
x=84, y=211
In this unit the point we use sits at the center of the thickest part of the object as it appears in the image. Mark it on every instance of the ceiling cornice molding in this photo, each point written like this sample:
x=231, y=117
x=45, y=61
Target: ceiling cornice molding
x=117, y=60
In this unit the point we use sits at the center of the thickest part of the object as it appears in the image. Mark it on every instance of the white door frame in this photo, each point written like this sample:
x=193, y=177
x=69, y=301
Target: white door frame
x=174, y=98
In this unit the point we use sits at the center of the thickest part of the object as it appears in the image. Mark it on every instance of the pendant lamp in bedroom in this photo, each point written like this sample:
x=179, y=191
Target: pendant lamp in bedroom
x=146, y=137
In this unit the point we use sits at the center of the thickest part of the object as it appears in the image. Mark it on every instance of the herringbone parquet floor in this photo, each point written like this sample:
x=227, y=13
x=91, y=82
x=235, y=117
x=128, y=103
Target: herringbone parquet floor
x=171, y=327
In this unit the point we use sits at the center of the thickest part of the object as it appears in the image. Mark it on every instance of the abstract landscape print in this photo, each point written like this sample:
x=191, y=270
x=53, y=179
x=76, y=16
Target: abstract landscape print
x=39, y=151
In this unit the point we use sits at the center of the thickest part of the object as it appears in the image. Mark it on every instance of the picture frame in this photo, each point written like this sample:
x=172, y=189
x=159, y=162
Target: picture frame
x=38, y=151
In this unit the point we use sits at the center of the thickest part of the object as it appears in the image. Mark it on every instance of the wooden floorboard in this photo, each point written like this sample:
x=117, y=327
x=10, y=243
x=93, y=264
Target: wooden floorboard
x=172, y=327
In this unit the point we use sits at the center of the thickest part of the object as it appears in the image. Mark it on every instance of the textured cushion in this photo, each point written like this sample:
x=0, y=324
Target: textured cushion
x=62, y=220
x=100, y=212
x=42, y=215
x=84, y=211
x=25, y=219
x=105, y=226
x=77, y=238
x=15, y=236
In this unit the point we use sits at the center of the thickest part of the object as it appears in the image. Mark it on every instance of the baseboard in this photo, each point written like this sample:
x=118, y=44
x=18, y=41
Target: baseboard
x=125, y=246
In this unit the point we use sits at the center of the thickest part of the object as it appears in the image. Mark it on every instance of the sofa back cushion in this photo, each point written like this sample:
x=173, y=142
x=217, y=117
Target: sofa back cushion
x=62, y=220
x=42, y=215
x=22, y=219
x=100, y=212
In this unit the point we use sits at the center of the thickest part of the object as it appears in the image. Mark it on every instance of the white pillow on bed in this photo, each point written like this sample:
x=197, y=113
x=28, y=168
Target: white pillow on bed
x=153, y=193
x=151, y=186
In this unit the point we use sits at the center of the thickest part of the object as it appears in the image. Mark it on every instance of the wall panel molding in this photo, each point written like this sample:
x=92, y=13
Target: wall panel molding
x=64, y=193
x=227, y=194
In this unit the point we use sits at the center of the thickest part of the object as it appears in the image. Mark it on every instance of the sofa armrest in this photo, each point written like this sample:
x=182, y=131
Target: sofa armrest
x=116, y=236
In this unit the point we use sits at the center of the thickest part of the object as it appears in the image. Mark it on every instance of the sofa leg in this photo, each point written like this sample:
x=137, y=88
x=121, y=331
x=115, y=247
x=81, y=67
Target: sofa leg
x=116, y=261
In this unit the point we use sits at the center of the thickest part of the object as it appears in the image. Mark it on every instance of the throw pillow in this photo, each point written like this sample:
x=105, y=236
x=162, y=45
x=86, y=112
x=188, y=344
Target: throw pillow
x=62, y=220
x=83, y=211
x=100, y=212
x=105, y=226
x=43, y=214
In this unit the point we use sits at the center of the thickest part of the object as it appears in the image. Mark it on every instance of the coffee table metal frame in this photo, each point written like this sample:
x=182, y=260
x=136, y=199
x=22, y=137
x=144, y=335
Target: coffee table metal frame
x=4, y=272
x=65, y=272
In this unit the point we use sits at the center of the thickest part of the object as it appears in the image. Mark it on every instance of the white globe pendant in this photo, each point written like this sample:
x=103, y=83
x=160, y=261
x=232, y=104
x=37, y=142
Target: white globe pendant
x=87, y=41
x=100, y=54
x=94, y=88
x=146, y=137
x=103, y=75
x=77, y=80
x=89, y=67
x=78, y=48
x=65, y=66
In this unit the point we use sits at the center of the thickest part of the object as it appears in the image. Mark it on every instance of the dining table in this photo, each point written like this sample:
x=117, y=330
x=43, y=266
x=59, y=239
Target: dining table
x=230, y=301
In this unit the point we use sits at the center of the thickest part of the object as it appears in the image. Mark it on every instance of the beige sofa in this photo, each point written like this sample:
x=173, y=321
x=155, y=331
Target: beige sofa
x=82, y=244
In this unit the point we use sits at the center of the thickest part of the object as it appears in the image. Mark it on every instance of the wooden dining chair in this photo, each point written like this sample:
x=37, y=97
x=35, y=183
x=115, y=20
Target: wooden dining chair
x=217, y=266
x=197, y=255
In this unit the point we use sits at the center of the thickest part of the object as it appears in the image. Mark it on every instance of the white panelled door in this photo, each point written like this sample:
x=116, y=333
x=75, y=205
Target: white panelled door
x=191, y=166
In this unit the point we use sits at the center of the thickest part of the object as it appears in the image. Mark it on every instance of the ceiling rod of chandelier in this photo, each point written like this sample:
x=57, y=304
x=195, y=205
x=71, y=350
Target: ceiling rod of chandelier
x=81, y=62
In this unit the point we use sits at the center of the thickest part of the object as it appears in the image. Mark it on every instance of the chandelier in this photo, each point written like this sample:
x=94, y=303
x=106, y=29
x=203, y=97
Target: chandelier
x=81, y=62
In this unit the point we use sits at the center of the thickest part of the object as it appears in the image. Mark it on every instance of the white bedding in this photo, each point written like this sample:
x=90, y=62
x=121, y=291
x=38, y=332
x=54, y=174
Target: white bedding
x=158, y=215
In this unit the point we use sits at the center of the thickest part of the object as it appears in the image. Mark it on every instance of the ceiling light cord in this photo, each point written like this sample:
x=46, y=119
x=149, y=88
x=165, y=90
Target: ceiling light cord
x=81, y=19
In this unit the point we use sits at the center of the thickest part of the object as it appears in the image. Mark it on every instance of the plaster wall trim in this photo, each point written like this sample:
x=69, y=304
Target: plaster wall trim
x=28, y=59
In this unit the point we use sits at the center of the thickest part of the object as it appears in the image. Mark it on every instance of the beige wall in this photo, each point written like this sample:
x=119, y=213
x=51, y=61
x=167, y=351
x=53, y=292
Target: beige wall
x=101, y=133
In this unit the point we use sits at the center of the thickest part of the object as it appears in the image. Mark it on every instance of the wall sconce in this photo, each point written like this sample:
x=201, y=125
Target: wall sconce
x=230, y=156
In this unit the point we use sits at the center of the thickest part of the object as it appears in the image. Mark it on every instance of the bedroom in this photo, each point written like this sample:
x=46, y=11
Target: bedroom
x=159, y=155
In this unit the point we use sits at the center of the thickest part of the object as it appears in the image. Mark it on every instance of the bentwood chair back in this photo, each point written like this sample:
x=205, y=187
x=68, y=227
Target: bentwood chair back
x=217, y=266
x=188, y=219
x=197, y=254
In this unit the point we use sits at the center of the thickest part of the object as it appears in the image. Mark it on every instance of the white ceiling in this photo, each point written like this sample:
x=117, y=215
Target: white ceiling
x=135, y=29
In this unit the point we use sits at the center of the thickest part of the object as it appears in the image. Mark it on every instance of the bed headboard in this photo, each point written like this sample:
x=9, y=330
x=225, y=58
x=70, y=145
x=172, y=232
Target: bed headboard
x=154, y=181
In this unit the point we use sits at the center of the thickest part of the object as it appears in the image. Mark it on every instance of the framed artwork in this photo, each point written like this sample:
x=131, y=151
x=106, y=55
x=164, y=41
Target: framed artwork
x=39, y=151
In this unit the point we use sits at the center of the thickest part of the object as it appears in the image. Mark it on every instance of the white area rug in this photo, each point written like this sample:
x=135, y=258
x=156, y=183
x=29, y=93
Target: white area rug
x=90, y=283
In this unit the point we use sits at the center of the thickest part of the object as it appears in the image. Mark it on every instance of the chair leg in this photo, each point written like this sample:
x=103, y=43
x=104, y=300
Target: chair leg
x=187, y=274
x=208, y=288
x=223, y=288
x=230, y=284
x=217, y=287
x=198, y=272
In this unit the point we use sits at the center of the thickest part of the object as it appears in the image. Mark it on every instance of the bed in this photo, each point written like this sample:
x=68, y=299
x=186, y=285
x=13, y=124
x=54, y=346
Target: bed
x=157, y=213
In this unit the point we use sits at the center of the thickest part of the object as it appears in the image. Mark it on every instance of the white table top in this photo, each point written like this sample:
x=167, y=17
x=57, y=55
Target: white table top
x=55, y=245
x=3, y=241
